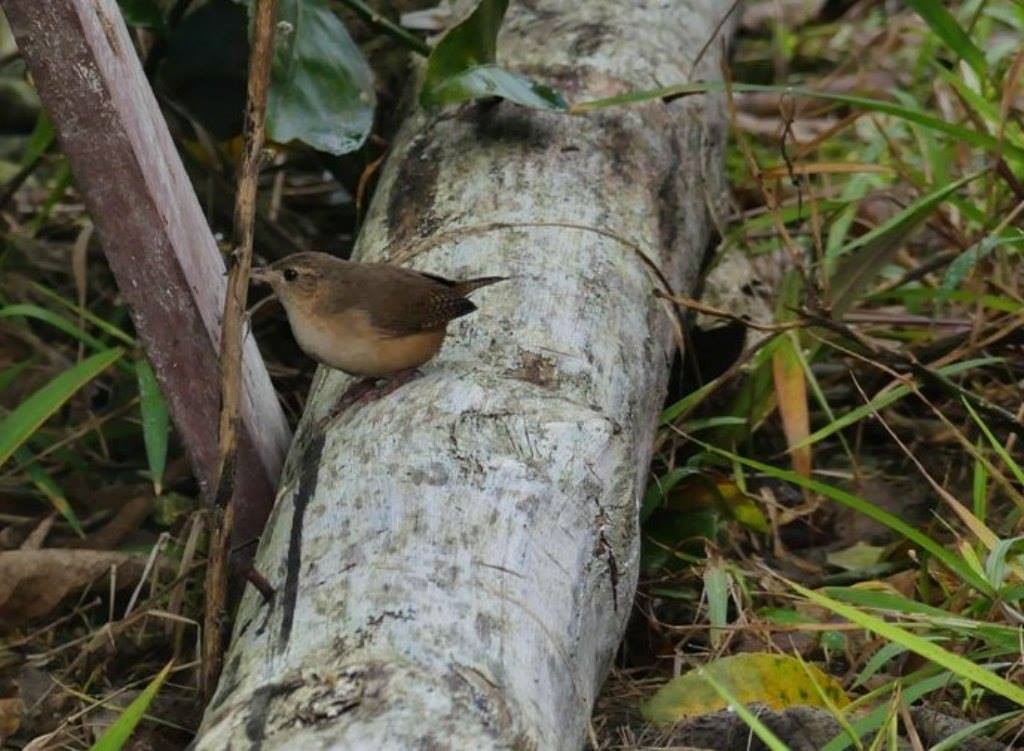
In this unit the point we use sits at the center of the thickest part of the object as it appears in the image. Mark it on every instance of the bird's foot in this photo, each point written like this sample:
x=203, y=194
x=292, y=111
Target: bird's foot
x=392, y=383
x=368, y=390
x=347, y=399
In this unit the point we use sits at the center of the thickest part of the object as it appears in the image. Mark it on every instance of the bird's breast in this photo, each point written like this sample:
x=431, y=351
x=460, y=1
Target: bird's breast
x=348, y=341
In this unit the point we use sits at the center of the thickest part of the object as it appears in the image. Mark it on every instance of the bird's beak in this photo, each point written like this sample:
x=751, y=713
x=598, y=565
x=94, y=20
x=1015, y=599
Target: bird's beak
x=260, y=275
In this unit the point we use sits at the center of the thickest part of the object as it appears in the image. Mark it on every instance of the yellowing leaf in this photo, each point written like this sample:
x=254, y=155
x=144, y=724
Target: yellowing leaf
x=857, y=557
x=710, y=490
x=778, y=681
x=791, y=393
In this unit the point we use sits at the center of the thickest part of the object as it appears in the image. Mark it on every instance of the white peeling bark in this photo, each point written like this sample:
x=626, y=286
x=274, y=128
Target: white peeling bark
x=455, y=564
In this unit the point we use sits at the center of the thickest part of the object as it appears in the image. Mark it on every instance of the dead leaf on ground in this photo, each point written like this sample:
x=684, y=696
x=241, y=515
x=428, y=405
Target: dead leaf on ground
x=37, y=536
x=33, y=582
x=11, y=711
x=126, y=521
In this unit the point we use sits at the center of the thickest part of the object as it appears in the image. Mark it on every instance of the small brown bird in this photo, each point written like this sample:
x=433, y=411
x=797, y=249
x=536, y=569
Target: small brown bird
x=367, y=319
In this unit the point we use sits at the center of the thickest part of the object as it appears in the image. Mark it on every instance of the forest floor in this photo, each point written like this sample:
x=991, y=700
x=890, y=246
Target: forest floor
x=837, y=477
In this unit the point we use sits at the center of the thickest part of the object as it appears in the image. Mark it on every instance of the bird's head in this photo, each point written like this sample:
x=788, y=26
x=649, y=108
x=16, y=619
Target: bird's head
x=299, y=279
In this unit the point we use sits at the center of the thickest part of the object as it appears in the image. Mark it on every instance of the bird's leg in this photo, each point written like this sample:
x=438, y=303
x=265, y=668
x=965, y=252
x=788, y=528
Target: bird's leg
x=353, y=393
x=367, y=390
x=389, y=383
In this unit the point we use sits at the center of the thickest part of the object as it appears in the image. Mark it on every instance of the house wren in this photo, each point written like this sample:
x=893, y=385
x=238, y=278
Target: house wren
x=367, y=319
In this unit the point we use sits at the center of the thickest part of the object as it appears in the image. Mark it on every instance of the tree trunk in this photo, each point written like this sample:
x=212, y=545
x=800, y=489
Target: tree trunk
x=455, y=564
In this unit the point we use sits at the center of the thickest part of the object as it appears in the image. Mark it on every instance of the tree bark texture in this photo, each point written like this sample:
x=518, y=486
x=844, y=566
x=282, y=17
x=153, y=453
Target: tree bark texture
x=455, y=564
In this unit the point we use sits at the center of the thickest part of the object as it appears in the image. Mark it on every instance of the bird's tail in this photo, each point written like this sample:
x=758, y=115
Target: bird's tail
x=468, y=285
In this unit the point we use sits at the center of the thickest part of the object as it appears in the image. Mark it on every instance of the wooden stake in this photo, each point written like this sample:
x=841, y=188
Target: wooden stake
x=262, y=50
x=155, y=236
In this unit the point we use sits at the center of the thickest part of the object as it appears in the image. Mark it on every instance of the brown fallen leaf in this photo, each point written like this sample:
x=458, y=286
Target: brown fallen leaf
x=11, y=711
x=37, y=536
x=33, y=582
x=126, y=521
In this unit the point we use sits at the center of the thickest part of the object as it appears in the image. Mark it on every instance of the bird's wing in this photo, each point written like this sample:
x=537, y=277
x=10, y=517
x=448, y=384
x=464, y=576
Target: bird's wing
x=402, y=301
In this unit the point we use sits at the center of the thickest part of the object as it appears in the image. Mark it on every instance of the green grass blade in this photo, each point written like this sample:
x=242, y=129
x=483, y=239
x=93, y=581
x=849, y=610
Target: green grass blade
x=956, y=664
x=48, y=487
x=26, y=418
x=155, y=422
x=9, y=375
x=957, y=739
x=117, y=735
x=948, y=557
x=759, y=728
x=716, y=589
x=966, y=261
x=922, y=294
x=885, y=399
x=910, y=114
x=1000, y=450
x=689, y=402
x=878, y=246
x=39, y=141
x=25, y=310
x=95, y=320
x=951, y=33
x=979, y=486
x=874, y=719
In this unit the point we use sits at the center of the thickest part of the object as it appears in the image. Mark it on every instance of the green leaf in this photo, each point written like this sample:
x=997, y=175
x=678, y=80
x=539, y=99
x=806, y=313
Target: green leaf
x=155, y=422
x=117, y=735
x=145, y=14
x=26, y=418
x=462, y=66
x=778, y=681
x=951, y=661
x=879, y=245
x=950, y=32
x=321, y=87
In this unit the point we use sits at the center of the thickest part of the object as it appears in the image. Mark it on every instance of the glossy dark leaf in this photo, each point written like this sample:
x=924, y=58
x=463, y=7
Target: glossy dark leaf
x=145, y=14
x=462, y=66
x=204, y=69
x=321, y=89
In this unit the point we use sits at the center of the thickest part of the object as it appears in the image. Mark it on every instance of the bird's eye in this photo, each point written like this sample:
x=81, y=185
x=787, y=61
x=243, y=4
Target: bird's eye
x=290, y=275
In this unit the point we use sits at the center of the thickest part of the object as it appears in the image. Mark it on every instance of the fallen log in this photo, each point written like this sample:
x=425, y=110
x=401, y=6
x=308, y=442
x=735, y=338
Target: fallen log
x=455, y=564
